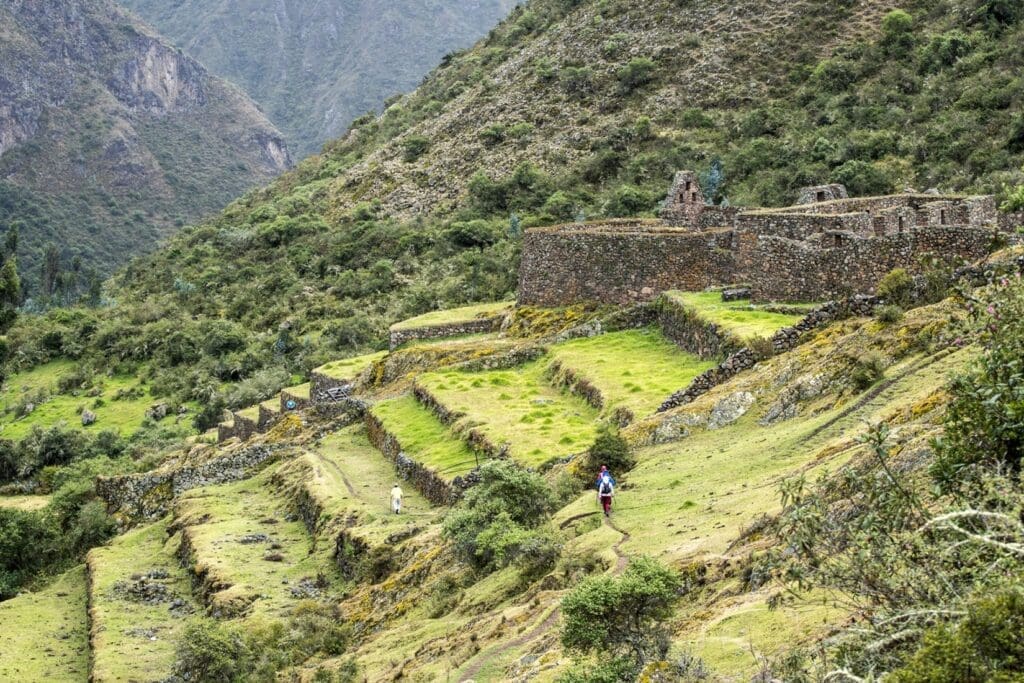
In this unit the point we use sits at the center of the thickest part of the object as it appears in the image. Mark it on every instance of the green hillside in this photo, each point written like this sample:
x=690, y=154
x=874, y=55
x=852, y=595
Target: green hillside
x=313, y=67
x=111, y=140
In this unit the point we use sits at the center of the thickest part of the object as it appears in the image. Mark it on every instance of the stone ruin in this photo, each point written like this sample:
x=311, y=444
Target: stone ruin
x=826, y=247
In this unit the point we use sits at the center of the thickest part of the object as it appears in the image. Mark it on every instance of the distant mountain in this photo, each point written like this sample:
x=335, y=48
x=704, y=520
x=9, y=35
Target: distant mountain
x=315, y=65
x=110, y=138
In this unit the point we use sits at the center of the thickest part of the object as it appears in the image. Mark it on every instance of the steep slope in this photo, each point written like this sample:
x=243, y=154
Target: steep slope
x=110, y=138
x=316, y=66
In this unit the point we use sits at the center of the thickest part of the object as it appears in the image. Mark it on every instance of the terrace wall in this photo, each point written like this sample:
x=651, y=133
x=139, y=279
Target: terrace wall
x=616, y=263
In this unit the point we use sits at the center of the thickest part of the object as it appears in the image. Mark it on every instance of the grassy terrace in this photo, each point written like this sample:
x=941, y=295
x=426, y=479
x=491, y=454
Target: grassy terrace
x=124, y=415
x=134, y=640
x=455, y=315
x=636, y=370
x=300, y=391
x=348, y=476
x=243, y=537
x=424, y=438
x=350, y=368
x=251, y=413
x=517, y=407
x=737, y=317
x=44, y=635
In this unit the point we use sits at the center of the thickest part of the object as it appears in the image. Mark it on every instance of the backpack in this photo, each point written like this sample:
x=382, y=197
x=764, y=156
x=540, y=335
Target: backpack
x=606, y=487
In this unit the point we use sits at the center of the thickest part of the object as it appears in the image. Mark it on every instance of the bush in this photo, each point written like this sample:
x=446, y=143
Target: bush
x=867, y=370
x=622, y=619
x=888, y=314
x=986, y=646
x=213, y=652
x=628, y=201
x=495, y=518
x=609, y=448
x=864, y=178
x=982, y=423
x=1014, y=199
x=413, y=147
x=897, y=288
x=639, y=72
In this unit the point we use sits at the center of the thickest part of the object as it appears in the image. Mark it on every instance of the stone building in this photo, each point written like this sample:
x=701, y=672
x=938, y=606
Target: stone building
x=831, y=245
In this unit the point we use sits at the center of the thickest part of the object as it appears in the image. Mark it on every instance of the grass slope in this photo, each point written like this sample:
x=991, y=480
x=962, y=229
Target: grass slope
x=133, y=640
x=26, y=503
x=39, y=386
x=350, y=368
x=43, y=636
x=636, y=369
x=517, y=407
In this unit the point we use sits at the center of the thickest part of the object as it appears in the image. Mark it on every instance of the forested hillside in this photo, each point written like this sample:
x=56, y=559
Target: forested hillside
x=110, y=140
x=315, y=66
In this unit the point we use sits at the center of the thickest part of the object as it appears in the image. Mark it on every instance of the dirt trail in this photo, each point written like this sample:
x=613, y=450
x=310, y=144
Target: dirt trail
x=482, y=660
x=331, y=465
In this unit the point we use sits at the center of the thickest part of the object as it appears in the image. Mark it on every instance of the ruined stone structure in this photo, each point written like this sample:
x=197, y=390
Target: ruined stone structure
x=831, y=246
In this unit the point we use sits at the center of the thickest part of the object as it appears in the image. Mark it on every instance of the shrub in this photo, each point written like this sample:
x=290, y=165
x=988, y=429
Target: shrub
x=864, y=178
x=629, y=200
x=414, y=146
x=609, y=448
x=1014, y=199
x=495, y=516
x=577, y=81
x=897, y=288
x=212, y=651
x=639, y=72
x=622, y=619
x=986, y=646
x=888, y=314
x=982, y=423
x=868, y=369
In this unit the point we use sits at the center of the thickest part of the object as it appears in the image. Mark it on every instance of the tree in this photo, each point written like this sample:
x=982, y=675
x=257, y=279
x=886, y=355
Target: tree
x=11, y=240
x=51, y=270
x=623, y=617
x=10, y=293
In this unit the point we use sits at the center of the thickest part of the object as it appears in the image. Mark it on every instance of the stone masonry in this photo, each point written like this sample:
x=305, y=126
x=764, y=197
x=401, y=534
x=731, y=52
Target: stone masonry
x=827, y=247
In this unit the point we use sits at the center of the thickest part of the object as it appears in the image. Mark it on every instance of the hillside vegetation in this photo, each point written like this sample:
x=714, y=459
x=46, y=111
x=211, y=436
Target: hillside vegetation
x=110, y=140
x=567, y=109
x=314, y=67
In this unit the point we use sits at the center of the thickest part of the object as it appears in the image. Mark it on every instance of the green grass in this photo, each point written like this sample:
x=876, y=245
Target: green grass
x=424, y=438
x=454, y=315
x=736, y=317
x=133, y=640
x=636, y=370
x=518, y=407
x=300, y=391
x=350, y=368
x=44, y=635
x=251, y=413
x=124, y=416
x=26, y=503
x=216, y=519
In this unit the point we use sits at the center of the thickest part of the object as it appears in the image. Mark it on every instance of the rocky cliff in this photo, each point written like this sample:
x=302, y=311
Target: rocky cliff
x=110, y=137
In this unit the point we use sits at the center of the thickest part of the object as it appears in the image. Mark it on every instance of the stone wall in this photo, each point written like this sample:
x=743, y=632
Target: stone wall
x=784, y=340
x=782, y=269
x=686, y=329
x=620, y=264
x=148, y=495
x=429, y=483
x=473, y=436
x=320, y=384
x=244, y=427
x=480, y=326
x=267, y=418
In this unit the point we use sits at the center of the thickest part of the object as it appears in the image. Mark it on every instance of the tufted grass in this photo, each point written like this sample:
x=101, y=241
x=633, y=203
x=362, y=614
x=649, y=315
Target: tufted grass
x=120, y=651
x=350, y=368
x=424, y=438
x=517, y=407
x=44, y=635
x=454, y=315
x=737, y=317
x=635, y=370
